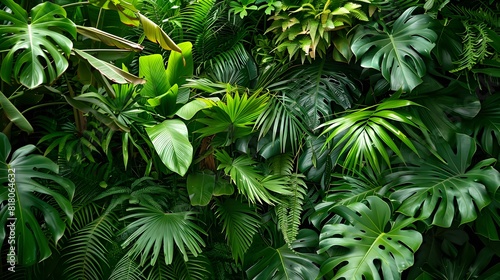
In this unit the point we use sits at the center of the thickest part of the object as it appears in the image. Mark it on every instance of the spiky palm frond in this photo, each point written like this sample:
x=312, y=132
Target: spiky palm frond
x=234, y=66
x=363, y=134
x=153, y=229
x=282, y=120
x=196, y=268
x=239, y=223
x=126, y=269
x=86, y=255
x=315, y=88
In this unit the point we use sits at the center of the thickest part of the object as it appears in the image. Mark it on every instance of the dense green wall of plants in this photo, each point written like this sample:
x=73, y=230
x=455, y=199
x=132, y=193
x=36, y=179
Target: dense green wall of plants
x=249, y=139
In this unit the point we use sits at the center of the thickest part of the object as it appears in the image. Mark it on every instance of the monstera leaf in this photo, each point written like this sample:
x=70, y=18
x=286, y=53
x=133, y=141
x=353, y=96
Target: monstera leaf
x=440, y=191
x=370, y=243
x=37, y=47
x=22, y=204
x=397, y=53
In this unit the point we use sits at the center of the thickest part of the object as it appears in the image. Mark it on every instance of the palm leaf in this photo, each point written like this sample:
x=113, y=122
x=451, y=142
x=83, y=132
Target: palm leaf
x=239, y=223
x=368, y=241
x=126, y=268
x=196, y=268
x=154, y=230
x=432, y=190
x=363, y=134
x=282, y=120
x=283, y=263
x=314, y=88
x=246, y=177
x=86, y=253
x=234, y=118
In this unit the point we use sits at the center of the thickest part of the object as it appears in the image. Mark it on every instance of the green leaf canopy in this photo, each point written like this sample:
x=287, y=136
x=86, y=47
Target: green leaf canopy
x=397, y=53
x=35, y=43
x=369, y=241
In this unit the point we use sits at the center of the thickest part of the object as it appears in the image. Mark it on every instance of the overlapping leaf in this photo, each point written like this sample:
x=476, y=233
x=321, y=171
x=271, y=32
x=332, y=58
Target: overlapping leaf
x=375, y=250
x=155, y=230
x=38, y=50
x=442, y=192
x=363, y=134
x=397, y=53
x=31, y=240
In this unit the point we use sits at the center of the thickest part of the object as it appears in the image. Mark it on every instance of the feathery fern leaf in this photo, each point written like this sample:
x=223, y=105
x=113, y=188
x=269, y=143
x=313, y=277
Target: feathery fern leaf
x=86, y=253
x=196, y=268
x=239, y=223
x=290, y=209
x=126, y=269
x=475, y=46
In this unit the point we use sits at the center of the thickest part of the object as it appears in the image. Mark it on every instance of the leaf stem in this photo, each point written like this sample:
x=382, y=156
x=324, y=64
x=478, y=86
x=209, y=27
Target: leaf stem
x=75, y=4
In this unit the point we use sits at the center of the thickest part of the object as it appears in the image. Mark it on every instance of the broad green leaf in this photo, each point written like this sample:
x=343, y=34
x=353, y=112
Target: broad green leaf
x=14, y=115
x=22, y=201
x=127, y=11
x=180, y=65
x=188, y=110
x=444, y=192
x=154, y=230
x=108, y=39
x=155, y=34
x=223, y=188
x=200, y=187
x=38, y=50
x=239, y=223
x=397, y=53
x=152, y=68
x=111, y=72
x=171, y=142
x=371, y=237
x=283, y=264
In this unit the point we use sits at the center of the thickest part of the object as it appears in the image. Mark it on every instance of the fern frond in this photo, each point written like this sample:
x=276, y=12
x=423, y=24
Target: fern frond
x=475, y=46
x=239, y=223
x=86, y=254
x=126, y=268
x=290, y=209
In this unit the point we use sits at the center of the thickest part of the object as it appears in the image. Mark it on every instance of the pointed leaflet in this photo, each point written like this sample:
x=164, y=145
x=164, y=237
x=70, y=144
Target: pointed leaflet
x=34, y=43
x=111, y=72
x=14, y=115
x=397, y=53
x=369, y=242
x=170, y=139
x=31, y=241
x=107, y=38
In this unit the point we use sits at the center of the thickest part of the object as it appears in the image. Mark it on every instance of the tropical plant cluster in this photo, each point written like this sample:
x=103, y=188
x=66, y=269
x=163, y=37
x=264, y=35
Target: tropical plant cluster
x=250, y=139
